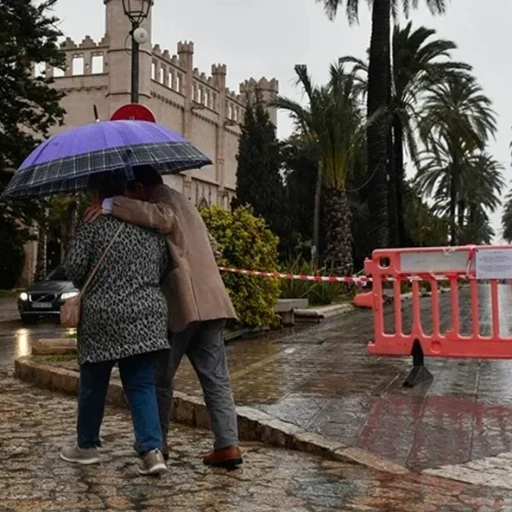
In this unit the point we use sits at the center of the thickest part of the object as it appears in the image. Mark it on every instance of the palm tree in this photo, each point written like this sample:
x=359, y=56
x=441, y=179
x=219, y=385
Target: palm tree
x=340, y=145
x=480, y=190
x=506, y=218
x=478, y=183
x=418, y=62
x=424, y=226
x=477, y=230
x=332, y=124
x=308, y=122
x=456, y=123
x=379, y=98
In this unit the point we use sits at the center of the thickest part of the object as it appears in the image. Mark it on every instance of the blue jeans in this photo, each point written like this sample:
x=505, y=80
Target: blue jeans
x=138, y=378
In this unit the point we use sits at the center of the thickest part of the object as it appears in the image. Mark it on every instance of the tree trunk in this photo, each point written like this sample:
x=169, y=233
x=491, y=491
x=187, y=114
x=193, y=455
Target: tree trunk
x=461, y=214
x=472, y=215
x=339, y=260
x=68, y=230
x=394, y=239
x=398, y=140
x=41, y=259
x=379, y=76
x=453, y=205
x=316, y=217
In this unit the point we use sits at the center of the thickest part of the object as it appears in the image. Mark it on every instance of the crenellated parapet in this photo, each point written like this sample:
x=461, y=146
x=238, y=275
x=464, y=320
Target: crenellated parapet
x=207, y=90
x=196, y=89
x=88, y=57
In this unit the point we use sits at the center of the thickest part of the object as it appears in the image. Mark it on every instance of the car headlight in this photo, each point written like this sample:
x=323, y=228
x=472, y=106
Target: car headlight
x=68, y=295
x=24, y=296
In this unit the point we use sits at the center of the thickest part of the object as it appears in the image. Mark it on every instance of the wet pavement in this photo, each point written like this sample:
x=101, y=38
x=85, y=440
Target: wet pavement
x=322, y=379
x=36, y=424
x=9, y=310
x=16, y=339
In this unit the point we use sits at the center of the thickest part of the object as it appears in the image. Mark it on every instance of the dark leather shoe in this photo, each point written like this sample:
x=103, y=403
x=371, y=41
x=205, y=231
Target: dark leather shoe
x=228, y=458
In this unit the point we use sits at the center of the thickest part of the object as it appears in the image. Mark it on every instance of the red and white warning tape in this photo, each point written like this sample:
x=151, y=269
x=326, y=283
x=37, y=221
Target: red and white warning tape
x=299, y=277
x=356, y=280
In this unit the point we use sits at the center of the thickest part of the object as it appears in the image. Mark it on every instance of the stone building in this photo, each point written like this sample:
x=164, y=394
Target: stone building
x=194, y=104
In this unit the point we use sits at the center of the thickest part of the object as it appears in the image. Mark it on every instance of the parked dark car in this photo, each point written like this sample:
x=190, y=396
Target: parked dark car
x=44, y=298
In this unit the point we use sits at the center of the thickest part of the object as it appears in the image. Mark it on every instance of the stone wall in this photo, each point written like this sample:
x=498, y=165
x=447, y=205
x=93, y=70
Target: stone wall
x=198, y=106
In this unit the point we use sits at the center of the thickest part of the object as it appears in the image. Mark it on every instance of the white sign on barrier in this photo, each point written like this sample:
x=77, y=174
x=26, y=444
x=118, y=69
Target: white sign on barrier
x=494, y=264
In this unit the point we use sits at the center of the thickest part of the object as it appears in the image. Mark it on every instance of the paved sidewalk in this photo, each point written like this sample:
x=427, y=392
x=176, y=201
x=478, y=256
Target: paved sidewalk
x=322, y=380
x=35, y=424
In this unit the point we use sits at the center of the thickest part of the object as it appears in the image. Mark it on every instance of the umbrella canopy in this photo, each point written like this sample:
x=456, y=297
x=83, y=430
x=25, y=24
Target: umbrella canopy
x=63, y=163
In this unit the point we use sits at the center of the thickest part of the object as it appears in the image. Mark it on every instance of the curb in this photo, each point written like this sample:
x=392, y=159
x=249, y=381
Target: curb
x=253, y=424
x=324, y=312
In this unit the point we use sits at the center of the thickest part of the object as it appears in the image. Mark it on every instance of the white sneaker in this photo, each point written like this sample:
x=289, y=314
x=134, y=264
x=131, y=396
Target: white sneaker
x=153, y=463
x=78, y=455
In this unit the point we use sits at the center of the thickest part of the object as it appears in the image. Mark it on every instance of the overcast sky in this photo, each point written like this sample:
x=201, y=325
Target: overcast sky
x=268, y=37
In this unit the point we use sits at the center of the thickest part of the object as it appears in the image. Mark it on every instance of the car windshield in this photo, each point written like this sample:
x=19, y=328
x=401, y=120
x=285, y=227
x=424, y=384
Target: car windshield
x=56, y=275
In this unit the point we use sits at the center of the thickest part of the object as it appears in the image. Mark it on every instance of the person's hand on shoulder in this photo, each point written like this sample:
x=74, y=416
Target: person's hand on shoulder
x=96, y=210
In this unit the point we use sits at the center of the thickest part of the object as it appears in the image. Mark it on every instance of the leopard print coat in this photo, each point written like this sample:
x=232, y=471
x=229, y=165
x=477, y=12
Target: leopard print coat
x=124, y=312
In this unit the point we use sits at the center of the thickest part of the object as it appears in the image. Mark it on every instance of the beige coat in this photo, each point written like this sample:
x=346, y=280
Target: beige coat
x=193, y=287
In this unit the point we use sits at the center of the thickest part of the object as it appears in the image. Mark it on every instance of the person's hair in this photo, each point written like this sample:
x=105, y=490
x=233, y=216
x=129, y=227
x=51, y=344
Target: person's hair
x=147, y=176
x=108, y=184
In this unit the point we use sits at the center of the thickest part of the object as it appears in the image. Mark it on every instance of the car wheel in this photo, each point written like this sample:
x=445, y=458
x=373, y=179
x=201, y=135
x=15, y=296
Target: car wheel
x=28, y=319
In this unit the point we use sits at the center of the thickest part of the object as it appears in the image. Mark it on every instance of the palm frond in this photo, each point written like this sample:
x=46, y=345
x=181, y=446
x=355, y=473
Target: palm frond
x=331, y=8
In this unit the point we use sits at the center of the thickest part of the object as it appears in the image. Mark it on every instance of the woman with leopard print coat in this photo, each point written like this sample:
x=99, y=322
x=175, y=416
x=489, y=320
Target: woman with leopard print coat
x=123, y=320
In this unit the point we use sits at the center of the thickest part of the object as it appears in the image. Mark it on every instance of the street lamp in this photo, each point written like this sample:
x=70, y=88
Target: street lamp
x=136, y=11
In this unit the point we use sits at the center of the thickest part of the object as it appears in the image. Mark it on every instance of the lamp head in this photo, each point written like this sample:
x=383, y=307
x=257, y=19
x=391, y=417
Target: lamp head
x=137, y=10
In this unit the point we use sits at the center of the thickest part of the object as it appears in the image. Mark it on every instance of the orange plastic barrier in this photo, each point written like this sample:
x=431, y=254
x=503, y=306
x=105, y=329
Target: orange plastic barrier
x=428, y=332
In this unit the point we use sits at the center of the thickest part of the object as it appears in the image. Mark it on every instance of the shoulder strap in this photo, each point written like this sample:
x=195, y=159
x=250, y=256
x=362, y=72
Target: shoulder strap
x=100, y=261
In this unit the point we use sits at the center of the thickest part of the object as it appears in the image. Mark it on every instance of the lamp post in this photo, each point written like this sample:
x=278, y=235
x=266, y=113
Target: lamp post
x=136, y=11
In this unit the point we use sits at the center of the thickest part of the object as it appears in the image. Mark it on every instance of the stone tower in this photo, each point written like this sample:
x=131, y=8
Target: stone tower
x=267, y=90
x=117, y=31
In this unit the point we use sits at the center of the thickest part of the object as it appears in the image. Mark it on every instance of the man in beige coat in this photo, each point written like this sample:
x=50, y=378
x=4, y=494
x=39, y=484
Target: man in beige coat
x=198, y=302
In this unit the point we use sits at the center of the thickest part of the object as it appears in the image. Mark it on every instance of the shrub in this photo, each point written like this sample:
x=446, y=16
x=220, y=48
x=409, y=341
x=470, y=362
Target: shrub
x=246, y=243
x=291, y=289
x=318, y=293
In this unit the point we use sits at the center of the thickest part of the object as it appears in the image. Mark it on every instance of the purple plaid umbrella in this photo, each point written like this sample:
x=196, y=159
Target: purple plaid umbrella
x=63, y=163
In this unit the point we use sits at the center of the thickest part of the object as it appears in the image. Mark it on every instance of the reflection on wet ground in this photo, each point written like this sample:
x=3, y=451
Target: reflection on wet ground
x=16, y=339
x=322, y=379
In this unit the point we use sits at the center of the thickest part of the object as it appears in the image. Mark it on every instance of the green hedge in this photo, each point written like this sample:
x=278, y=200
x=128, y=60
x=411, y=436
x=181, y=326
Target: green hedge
x=246, y=243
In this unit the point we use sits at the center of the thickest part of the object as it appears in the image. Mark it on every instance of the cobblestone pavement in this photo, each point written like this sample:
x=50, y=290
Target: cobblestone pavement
x=322, y=379
x=35, y=424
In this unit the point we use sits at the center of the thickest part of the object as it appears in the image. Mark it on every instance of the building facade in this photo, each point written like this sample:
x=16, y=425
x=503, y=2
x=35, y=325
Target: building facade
x=200, y=107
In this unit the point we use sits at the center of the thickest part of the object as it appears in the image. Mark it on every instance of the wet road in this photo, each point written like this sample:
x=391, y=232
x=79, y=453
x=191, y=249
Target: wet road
x=16, y=339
